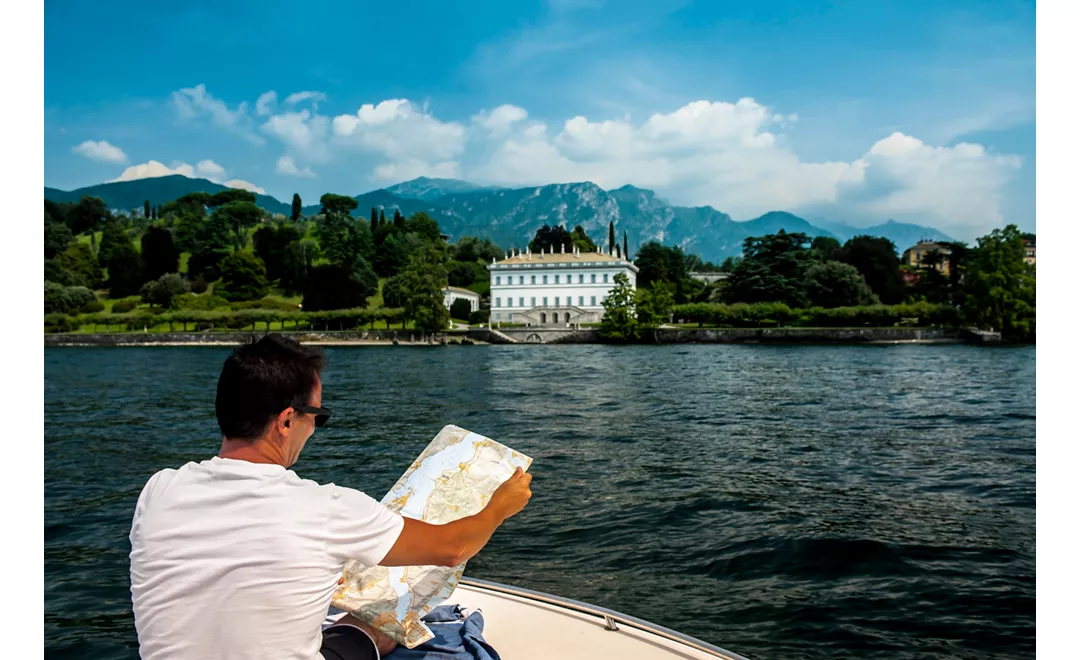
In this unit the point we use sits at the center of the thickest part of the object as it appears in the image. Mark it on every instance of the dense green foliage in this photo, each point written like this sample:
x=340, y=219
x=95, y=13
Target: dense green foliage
x=999, y=288
x=243, y=277
x=620, y=321
x=460, y=309
x=163, y=291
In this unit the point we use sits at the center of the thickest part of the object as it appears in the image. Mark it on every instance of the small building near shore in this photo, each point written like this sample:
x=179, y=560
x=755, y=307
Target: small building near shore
x=557, y=289
x=915, y=256
x=1029, y=252
x=452, y=293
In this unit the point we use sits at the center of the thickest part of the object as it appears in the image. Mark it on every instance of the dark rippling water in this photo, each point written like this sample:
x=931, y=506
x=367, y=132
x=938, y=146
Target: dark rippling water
x=781, y=502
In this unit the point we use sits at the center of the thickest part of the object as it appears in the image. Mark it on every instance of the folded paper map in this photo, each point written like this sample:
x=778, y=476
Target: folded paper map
x=453, y=478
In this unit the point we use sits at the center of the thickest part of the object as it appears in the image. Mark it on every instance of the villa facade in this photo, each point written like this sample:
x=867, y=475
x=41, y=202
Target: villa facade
x=556, y=289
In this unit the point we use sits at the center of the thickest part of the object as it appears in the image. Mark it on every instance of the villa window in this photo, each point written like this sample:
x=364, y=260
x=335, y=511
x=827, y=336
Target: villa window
x=581, y=278
x=498, y=280
x=556, y=279
x=594, y=278
x=510, y=302
x=532, y=279
x=545, y=301
x=581, y=301
x=555, y=317
x=532, y=301
x=594, y=301
x=545, y=279
x=521, y=301
x=605, y=278
x=556, y=301
x=498, y=302
x=521, y=279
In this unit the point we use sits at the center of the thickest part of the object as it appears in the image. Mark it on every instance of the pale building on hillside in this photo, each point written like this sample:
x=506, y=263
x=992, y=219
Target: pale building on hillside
x=452, y=293
x=915, y=255
x=554, y=288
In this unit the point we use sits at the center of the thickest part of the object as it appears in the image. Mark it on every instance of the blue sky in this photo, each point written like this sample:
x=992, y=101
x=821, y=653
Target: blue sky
x=860, y=111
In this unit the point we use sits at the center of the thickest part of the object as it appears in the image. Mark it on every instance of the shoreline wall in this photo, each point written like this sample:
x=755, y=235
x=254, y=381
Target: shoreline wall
x=530, y=336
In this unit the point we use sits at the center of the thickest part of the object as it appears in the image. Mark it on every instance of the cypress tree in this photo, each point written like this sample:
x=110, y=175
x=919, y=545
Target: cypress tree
x=611, y=236
x=296, y=207
x=625, y=249
x=382, y=217
x=146, y=208
x=374, y=220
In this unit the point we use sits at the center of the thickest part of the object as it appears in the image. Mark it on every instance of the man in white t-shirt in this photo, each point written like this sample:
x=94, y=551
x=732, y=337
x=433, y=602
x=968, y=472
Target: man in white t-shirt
x=238, y=557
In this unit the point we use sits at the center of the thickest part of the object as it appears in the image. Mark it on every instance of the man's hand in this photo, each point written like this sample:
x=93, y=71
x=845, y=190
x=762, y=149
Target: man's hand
x=512, y=495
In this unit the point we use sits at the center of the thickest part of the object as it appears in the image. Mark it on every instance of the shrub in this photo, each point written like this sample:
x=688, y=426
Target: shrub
x=58, y=323
x=199, y=285
x=243, y=277
x=61, y=299
x=93, y=307
x=162, y=290
x=125, y=306
x=479, y=316
x=460, y=309
x=268, y=302
x=203, y=302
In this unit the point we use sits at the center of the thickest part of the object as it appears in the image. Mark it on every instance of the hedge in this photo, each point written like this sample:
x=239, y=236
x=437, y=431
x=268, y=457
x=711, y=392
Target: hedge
x=249, y=319
x=742, y=315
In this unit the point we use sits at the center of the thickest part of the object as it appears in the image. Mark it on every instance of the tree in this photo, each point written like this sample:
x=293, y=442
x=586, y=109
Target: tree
x=161, y=291
x=772, y=269
x=463, y=273
x=393, y=292
x=580, y=240
x=84, y=268
x=399, y=220
x=334, y=287
x=654, y=305
x=270, y=243
x=470, y=248
x=112, y=235
x=660, y=263
x=66, y=299
x=337, y=204
x=836, y=284
x=296, y=261
x=729, y=264
x=424, y=226
x=876, y=260
x=423, y=285
x=231, y=195
x=999, y=288
x=344, y=241
x=57, y=237
x=243, y=277
x=382, y=217
x=825, y=248
x=159, y=253
x=625, y=247
x=238, y=215
x=374, y=220
x=209, y=245
x=88, y=215
x=460, y=309
x=297, y=207
x=548, y=239
x=391, y=255
x=146, y=208
x=125, y=270
x=620, y=312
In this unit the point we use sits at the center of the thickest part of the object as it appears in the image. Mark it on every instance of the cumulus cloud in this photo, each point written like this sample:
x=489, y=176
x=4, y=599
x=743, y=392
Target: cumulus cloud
x=204, y=169
x=304, y=131
x=733, y=157
x=407, y=136
x=298, y=97
x=287, y=166
x=195, y=103
x=240, y=184
x=501, y=118
x=101, y=150
x=264, y=105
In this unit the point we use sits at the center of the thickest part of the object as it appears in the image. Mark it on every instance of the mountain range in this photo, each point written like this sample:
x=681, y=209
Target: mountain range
x=511, y=216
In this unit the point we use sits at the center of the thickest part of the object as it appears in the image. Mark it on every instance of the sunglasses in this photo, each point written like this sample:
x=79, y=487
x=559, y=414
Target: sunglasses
x=321, y=414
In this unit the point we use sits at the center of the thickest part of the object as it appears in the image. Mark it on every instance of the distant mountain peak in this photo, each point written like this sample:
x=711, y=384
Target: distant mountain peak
x=430, y=188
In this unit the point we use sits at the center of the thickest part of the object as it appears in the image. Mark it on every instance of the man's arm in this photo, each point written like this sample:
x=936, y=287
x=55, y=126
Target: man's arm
x=424, y=544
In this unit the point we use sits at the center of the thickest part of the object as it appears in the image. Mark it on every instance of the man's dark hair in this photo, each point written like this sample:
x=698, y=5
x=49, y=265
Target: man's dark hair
x=262, y=378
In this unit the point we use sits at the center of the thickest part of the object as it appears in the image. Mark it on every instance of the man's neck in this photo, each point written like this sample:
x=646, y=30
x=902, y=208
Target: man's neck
x=252, y=451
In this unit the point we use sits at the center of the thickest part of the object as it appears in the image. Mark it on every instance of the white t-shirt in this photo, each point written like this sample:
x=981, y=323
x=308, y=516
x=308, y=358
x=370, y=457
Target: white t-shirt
x=231, y=559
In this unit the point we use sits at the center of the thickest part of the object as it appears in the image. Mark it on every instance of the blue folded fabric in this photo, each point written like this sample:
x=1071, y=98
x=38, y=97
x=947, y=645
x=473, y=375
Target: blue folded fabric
x=457, y=637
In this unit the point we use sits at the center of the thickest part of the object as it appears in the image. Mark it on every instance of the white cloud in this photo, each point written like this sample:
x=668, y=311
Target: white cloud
x=264, y=106
x=244, y=185
x=205, y=169
x=407, y=136
x=152, y=169
x=102, y=151
x=287, y=166
x=730, y=156
x=298, y=97
x=195, y=103
x=304, y=132
x=208, y=169
x=501, y=118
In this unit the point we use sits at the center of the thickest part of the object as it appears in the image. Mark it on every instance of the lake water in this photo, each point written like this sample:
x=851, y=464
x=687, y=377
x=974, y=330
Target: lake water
x=781, y=502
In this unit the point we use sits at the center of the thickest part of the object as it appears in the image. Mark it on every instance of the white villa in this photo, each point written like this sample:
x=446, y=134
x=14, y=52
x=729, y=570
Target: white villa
x=554, y=289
